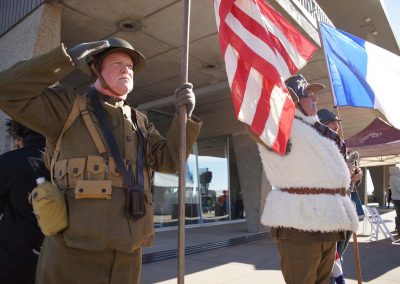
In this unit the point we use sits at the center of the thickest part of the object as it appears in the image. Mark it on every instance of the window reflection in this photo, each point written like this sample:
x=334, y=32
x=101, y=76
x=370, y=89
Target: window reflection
x=212, y=192
x=165, y=192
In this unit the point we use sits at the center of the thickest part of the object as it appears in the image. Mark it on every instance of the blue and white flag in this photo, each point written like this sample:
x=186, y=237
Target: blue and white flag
x=362, y=74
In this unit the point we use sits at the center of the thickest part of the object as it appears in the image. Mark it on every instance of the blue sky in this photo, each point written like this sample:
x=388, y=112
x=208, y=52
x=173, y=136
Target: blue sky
x=392, y=10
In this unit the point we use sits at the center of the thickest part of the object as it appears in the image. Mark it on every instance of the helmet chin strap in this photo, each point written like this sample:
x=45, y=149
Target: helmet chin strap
x=102, y=81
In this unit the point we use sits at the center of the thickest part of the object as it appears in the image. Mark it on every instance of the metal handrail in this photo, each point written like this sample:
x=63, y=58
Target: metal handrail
x=314, y=10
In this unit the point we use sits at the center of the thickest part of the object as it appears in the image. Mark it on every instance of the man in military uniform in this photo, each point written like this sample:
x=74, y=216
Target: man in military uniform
x=102, y=243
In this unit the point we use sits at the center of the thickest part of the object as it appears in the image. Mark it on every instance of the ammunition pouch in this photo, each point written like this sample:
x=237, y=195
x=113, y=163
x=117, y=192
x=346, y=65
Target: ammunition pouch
x=97, y=189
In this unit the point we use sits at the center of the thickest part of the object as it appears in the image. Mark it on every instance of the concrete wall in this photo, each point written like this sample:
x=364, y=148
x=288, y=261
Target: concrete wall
x=378, y=179
x=253, y=183
x=36, y=34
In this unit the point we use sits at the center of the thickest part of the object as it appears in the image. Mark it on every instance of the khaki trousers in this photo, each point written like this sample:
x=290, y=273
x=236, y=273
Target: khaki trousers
x=59, y=264
x=306, y=262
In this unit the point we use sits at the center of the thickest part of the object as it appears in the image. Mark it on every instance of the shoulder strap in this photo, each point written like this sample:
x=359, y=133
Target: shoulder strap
x=90, y=126
x=70, y=120
x=78, y=108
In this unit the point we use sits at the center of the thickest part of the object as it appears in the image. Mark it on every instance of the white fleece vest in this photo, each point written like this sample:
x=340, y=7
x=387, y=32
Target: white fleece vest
x=315, y=162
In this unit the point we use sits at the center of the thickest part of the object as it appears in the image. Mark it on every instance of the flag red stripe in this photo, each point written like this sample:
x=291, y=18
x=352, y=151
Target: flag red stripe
x=263, y=107
x=285, y=125
x=224, y=8
x=238, y=87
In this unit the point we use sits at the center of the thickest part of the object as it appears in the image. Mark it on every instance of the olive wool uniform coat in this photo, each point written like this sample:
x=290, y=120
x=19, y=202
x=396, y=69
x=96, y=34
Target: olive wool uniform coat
x=101, y=244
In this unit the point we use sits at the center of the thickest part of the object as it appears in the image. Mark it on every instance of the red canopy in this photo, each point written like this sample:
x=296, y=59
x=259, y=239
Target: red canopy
x=377, y=139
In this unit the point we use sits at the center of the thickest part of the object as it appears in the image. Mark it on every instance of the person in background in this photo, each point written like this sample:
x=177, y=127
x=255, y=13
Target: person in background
x=13, y=129
x=20, y=235
x=332, y=122
x=394, y=182
x=389, y=197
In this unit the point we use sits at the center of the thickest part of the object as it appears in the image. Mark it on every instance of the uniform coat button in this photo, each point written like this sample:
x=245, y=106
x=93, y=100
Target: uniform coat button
x=129, y=138
x=96, y=167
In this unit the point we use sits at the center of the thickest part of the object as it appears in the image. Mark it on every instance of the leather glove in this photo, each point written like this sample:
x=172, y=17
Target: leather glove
x=80, y=52
x=184, y=96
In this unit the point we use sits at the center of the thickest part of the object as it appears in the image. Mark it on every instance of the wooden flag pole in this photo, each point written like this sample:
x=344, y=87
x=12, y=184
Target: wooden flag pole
x=182, y=148
x=355, y=241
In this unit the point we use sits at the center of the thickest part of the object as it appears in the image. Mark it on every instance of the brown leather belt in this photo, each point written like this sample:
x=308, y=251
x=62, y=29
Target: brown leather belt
x=315, y=190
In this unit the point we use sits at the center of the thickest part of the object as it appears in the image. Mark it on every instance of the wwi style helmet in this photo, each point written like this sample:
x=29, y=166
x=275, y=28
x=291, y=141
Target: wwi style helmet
x=93, y=66
x=119, y=45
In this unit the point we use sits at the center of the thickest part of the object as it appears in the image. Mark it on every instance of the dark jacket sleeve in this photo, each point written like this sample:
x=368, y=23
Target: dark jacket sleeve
x=4, y=186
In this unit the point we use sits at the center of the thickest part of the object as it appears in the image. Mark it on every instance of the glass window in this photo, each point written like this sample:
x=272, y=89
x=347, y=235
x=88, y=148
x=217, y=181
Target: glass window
x=165, y=197
x=213, y=177
x=212, y=191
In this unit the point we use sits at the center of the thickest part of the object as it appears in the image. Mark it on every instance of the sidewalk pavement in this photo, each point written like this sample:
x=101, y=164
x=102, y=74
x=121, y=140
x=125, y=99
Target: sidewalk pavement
x=258, y=261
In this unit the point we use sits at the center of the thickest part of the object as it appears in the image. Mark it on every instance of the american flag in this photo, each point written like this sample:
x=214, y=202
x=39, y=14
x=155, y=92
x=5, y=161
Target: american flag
x=261, y=49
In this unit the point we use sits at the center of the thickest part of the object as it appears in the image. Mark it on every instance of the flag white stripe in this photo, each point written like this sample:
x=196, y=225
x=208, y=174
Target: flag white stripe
x=216, y=7
x=271, y=128
x=251, y=96
x=231, y=59
x=251, y=9
x=257, y=45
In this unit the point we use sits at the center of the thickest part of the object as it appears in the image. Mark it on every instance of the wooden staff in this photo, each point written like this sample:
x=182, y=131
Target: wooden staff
x=355, y=242
x=182, y=148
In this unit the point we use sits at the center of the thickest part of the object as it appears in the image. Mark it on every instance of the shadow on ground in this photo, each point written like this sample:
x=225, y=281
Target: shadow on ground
x=377, y=259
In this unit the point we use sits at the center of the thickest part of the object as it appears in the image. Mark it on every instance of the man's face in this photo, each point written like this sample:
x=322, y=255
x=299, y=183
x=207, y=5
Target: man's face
x=18, y=143
x=309, y=104
x=333, y=125
x=116, y=70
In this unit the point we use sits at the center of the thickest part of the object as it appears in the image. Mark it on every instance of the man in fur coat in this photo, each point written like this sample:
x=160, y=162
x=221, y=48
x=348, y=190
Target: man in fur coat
x=308, y=209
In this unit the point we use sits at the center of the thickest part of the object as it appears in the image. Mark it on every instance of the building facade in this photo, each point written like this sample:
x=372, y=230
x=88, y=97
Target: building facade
x=224, y=181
